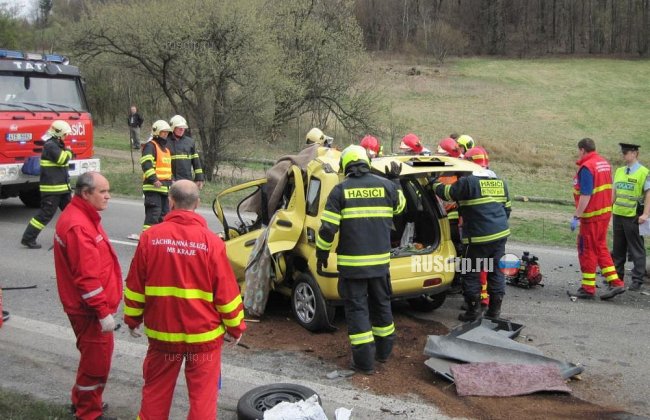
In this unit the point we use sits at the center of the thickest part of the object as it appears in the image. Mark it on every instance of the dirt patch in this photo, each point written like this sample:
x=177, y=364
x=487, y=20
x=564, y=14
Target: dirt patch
x=406, y=374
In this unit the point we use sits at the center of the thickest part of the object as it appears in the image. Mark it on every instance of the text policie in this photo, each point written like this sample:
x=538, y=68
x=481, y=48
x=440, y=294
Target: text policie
x=440, y=264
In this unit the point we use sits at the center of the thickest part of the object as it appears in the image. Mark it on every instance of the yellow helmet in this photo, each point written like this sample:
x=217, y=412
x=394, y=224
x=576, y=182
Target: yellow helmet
x=315, y=135
x=466, y=142
x=59, y=128
x=177, y=122
x=159, y=126
x=353, y=154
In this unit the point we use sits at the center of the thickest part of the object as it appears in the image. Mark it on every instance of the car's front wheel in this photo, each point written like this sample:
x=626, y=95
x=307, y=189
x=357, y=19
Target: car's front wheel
x=308, y=304
x=427, y=303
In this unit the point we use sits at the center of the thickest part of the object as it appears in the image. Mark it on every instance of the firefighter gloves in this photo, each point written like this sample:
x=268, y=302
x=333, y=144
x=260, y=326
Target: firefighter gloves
x=321, y=259
x=575, y=222
x=108, y=323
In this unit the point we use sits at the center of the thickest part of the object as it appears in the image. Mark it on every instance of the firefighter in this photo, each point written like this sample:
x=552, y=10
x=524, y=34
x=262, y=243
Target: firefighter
x=362, y=208
x=372, y=146
x=186, y=163
x=484, y=205
x=411, y=144
x=89, y=281
x=181, y=286
x=592, y=191
x=465, y=142
x=631, y=207
x=54, y=181
x=156, y=164
x=316, y=136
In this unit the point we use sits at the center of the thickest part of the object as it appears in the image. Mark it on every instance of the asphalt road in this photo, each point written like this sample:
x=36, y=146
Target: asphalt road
x=37, y=354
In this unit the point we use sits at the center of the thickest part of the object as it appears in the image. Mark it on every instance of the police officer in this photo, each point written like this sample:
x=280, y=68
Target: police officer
x=362, y=208
x=186, y=163
x=54, y=181
x=484, y=205
x=156, y=162
x=631, y=186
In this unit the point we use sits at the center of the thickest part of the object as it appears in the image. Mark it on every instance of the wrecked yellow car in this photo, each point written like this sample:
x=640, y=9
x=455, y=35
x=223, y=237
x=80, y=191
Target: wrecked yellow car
x=422, y=257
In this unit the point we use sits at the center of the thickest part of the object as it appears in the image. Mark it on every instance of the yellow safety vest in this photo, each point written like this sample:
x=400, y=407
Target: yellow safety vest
x=629, y=190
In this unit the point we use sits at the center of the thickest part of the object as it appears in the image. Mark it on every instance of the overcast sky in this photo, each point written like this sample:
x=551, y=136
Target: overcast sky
x=24, y=7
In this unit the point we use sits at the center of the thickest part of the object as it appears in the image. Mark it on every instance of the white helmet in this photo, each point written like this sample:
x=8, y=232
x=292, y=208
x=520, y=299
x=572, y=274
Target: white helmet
x=159, y=126
x=177, y=122
x=59, y=128
x=316, y=135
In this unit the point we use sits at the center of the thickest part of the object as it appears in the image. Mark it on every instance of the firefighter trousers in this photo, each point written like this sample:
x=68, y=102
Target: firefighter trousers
x=369, y=319
x=96, y=350
x=49, y=204
x=627, y=241
x=160, y=372
x=593, y=252
x=480, y=258
x=156, y=206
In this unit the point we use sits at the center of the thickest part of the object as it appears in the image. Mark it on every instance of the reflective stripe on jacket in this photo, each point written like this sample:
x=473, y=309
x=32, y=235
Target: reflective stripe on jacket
x=484, y=204
x=55, y=160
x=362, y=208
x=182, y=287
x=628, y=190
x=600, y=203
x=156, y=165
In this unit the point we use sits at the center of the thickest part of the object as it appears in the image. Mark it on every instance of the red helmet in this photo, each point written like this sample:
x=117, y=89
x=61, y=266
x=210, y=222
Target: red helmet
x=411, y=142
x=371, y=144
x=450, y=147
x=478, y=155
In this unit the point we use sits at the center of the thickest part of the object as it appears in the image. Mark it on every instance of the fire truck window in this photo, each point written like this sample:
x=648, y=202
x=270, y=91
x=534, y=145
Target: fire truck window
x=42, y=90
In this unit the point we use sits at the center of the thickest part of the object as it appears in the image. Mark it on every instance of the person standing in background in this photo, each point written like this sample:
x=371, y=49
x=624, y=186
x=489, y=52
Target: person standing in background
x=135, y=122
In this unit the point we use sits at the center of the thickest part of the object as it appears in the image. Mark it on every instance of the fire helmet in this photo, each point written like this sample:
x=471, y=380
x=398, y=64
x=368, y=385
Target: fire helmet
x=450, y=147
x=177, y=122
x=59, y=128
x=353, y=154
x=411, y=142
x=371, y=144
x=465, y=142
x=479, y=156
x=160, y=126
x=316, y=135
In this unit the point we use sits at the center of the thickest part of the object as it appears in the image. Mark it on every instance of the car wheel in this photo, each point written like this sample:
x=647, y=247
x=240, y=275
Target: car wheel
x=31, y=198
x=309, y=306
x=255, y=402
x=427, y=303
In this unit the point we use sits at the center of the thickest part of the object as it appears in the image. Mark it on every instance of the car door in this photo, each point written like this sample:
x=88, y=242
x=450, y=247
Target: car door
x=287, y=222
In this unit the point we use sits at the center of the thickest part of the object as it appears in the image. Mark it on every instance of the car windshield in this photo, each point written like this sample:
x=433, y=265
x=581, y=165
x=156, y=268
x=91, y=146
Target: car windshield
x=37, y=93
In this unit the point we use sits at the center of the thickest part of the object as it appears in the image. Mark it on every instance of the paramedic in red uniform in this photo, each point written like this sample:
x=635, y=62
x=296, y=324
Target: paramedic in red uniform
x=592, y=191
x=89, y=279
x=181, y=286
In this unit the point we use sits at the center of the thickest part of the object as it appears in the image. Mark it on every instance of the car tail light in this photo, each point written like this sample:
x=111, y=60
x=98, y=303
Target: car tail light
x=432, y=282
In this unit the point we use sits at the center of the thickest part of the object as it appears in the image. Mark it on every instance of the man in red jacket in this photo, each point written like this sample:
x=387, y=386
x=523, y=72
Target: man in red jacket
x=182, y=287
x=89, y=280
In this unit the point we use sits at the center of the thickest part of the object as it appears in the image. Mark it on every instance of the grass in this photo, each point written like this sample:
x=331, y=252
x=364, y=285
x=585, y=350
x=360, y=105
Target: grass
x=18, y=406
x=528, y=114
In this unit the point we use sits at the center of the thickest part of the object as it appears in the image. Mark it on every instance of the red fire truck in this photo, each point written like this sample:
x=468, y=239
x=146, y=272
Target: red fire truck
x=36, y=89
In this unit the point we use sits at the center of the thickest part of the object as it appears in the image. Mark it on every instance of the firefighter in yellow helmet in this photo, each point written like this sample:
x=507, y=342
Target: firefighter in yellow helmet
x=363, y=254
x=54, y=181
x=186, y=163
x=156, y=162
x=316, y=136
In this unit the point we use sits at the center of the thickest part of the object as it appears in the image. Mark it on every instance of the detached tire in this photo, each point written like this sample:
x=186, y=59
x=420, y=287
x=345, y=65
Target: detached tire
x=427, y=303
x=308, y=305
x=255, y=402
x=31, y=198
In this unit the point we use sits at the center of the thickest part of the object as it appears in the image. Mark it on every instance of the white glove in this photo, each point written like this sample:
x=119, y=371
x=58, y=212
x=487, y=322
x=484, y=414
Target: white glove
x=134, y=333
x=108, y=323
x=232, y=341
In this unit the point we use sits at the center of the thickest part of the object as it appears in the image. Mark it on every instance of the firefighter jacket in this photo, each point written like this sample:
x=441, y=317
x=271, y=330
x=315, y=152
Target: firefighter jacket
x=185, y=158
x=182, y=287
x=600, y=203
x=362, y=208
x=483, y=203
x=88, y=273
x=628, y=190
x=156, y=165
x=451, y=207
x=55, y=159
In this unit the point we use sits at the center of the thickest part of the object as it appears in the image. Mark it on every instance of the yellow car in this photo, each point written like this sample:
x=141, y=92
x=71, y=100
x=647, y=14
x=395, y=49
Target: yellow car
x=422, y=258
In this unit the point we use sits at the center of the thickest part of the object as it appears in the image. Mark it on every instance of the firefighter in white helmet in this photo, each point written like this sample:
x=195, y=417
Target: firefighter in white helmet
x=316, y=136
x=186, y=163
x=54, y=181
x=156, y=164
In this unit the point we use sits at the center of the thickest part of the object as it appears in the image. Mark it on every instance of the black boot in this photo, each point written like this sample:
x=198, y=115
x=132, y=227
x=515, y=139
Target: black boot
x=494, y=309
x=473, y=311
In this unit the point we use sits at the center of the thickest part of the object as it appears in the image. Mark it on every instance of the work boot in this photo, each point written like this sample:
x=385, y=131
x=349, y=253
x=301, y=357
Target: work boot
x=635, y=286
x=583, y=294
x=473, y=311
x=73, y=409
x=612, y=291
x=31, y=244
x=494, y=309
x=356, y=368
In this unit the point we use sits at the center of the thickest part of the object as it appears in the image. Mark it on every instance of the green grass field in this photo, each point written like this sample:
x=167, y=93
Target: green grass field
x=528, y=114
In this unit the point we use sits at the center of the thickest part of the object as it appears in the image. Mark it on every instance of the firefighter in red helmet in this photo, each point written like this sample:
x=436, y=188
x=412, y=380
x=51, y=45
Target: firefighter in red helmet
x=449, y=147
x=372, y=146
x=411, y=144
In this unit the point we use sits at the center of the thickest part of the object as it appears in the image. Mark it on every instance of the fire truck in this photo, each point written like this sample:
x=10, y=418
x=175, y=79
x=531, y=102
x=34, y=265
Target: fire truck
x=35, y=90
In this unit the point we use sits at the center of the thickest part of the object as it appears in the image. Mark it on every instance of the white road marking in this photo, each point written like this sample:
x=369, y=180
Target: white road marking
x=129, y=243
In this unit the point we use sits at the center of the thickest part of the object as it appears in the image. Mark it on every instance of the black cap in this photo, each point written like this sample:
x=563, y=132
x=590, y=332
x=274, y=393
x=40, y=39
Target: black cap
x=627, y=147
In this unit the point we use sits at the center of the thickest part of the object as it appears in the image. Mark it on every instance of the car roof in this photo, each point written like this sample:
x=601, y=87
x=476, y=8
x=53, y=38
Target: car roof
x=413, y=165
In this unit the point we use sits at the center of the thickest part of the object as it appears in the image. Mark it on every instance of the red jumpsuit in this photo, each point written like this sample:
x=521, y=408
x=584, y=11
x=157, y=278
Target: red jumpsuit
x=592, y=239
x=181, y=286
x=89, y=280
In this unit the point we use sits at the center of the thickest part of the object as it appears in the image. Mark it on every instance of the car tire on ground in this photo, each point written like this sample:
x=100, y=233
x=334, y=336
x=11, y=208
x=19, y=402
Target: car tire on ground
x=31, y=198
x=308, y=304
x=427, y=303
x=255, y=402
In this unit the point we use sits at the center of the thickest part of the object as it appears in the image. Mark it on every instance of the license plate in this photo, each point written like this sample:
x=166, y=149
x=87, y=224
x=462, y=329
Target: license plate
x=19, y=136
